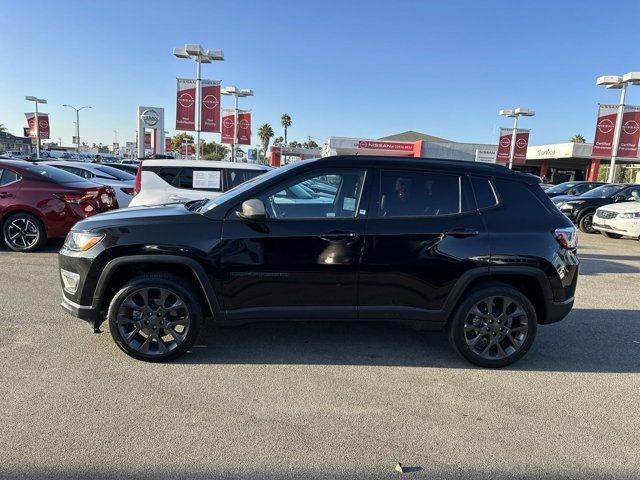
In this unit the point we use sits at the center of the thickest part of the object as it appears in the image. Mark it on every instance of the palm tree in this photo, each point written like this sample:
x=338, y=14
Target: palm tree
x=578, y=139
x=278, y=140
x=265, y=132
x=2, y=127
x=285, y=121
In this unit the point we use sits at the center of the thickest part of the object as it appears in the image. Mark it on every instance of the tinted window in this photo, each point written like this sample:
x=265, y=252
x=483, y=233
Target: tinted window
x=632, y=193
x=484, y=191
x=561, y=187
x=238, y=176
x=407, y=193
x=114, y=172
x=294, y=199
x=8, y=176
x=603, y=191
x=52, y=174
x=168, y=174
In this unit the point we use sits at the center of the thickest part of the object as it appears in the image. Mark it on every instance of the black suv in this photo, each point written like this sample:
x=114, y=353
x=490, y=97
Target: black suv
x=581, y=209
x=434, y=243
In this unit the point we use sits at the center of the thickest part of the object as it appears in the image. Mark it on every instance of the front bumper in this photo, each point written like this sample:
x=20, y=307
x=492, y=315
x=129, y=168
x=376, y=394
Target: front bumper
x=88, y=313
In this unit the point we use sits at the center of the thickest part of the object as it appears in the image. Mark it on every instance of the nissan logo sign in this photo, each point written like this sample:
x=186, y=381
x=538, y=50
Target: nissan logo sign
x=505, y=142
x=630, y=127
x=186, y=100
x=521, y=143
x=605, y=125
x=150, y=117
x=228, y=122
x=210, y=102
x=244, y=124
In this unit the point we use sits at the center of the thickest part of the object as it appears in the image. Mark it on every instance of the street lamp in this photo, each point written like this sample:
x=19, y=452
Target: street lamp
x=515, y=113
x=617, y=82
x=236, y=92
x=200, y=55
x=77, y=127
x=36, y=100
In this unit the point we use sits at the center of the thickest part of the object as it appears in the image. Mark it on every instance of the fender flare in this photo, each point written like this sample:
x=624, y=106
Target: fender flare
x=198, y=270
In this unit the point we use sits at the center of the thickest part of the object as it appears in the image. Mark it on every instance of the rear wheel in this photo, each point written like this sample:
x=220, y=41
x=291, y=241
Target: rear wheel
x=586, y=223
x=155, y=317
x=494, y=326
x=611, y=235
x=23, y=232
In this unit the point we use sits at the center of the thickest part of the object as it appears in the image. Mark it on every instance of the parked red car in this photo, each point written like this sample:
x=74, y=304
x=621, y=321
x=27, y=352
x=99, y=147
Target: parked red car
x=38, y=202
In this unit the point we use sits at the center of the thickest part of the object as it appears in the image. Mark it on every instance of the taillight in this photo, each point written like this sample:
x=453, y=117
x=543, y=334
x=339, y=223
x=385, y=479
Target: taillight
x=128, y=190
x=77, y=197
x=567, y=237
x=138, y=182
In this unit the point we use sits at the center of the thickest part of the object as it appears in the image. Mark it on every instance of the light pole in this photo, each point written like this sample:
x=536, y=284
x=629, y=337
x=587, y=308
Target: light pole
x=515, y=113
x=200, y=55
x=236, y=92
x=77, y=127
x=615, y=81
x=36, y=100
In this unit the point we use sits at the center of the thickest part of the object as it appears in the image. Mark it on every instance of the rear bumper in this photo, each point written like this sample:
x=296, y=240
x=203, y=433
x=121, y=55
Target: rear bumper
x=556, y=311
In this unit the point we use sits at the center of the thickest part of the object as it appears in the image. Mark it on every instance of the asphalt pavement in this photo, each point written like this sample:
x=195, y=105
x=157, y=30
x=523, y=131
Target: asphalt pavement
x=301, y=401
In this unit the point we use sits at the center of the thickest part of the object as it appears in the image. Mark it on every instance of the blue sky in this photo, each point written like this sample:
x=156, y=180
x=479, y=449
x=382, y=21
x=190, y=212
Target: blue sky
x=345, y=68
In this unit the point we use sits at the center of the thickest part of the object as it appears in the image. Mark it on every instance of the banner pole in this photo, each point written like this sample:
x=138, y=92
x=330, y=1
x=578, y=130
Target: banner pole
x=198, y=107
x=513, y=142
x=37, y=134
x=235, y=131
x=616, y=135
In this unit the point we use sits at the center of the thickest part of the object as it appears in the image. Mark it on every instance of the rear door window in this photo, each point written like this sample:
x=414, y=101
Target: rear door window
x=8, y=176
x=237, y=176
x=484, y=192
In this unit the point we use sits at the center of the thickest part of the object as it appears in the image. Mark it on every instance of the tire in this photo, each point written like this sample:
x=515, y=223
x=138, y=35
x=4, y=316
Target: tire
x=23, y=232
x=611, y=235
x=585, y=222
x=474, y=336
x=153, y=330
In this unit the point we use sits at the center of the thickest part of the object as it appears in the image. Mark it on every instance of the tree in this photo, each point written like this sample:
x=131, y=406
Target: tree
x=278, y=141
x=285, y=121
x=178, y=140
x=295, y=144
x=578, y=139
x=265, y=132
x=2, y=127
x=213, y=151
x=310, y=144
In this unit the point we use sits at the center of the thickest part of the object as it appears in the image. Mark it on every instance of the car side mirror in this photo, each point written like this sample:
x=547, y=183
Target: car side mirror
x=252, y=209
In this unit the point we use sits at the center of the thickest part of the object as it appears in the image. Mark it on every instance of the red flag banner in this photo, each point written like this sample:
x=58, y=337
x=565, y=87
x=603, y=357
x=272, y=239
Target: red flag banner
x=520, y=150
x=228, y=123
x=605, y=128
x=210, y=110
x=43, y=124
x=147, y=139
x=244, y=127
x=186, y=105
x=168, y=145
x=504, y=145
x=629, y=133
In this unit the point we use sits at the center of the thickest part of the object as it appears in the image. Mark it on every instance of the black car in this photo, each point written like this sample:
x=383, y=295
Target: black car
x=571, y=188
x=433, y=243
x=581, y=209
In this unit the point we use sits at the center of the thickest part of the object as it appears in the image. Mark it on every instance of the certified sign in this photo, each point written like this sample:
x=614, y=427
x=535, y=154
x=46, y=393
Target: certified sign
x=150, y=118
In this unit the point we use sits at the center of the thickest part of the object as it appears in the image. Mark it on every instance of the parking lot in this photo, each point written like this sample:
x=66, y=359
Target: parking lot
x=321, y=401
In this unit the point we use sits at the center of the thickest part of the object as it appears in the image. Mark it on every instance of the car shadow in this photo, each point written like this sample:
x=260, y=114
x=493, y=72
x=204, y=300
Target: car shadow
x=602, y=263
x=52, y=246
x=588, y=340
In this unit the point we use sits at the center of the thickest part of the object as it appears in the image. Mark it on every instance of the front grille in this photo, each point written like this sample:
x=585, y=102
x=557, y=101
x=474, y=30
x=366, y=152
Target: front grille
x=606, y=214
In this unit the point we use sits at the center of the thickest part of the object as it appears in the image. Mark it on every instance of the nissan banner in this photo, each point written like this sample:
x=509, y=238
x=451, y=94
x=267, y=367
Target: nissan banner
x=43, y=124
x=210, y=110
x=504, y=145
x=605, y=128
x=186, y=105
x=228, y=123
x=629, y=133
x=244, y=127
x=520, y=150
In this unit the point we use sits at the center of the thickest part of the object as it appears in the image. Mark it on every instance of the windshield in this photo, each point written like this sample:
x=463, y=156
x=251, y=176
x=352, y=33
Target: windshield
x=602, y=191
x=561, y=187
x=53, y=174
x=114, y=172
x=243, y=187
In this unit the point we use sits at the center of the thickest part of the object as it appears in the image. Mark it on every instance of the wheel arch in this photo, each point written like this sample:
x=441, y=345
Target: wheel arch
x=119, y=270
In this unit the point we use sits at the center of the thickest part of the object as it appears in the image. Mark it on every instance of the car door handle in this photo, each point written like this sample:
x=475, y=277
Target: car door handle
x=461, y=232
x=338, y=235
x=5, y=194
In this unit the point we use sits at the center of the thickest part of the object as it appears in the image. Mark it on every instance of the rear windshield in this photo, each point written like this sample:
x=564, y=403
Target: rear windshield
x=560, y=188
x=53, y=174
x=114, y=172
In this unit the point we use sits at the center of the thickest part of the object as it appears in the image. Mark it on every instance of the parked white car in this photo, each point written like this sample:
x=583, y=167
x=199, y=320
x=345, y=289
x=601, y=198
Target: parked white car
x=180, y=181
x=121, y=182
x=619, y=219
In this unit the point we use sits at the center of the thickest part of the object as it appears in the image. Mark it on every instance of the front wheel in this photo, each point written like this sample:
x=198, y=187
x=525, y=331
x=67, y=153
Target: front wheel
x=611, y=235
x=494, y=326
x=586, y=223
x=155, y=317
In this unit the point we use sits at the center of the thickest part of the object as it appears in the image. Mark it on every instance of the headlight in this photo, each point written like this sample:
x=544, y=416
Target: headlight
x=82, y=241
x=560, y=204
x=630, y=215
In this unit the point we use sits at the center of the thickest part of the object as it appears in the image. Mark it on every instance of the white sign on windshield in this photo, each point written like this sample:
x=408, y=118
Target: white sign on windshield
x=206, y=179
